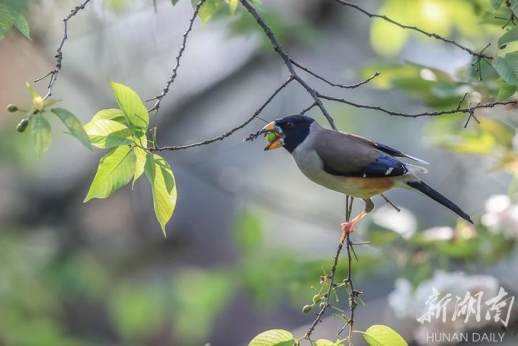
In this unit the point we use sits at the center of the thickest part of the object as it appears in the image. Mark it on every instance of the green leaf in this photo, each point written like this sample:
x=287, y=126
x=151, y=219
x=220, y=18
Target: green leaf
x=21, y=24
x=114, y=114
x=107, y=129
x=496, y=3
x=6, y=19
x=233, y=5
x=40, y=133
x=509, y=36
x=507, y=68
x=514, y=7
x=114, y=171
x=273, y=337
x=501, y=132
x=208, y=9
x=132, y=106
x=74, y=125
x=174, y=2
x=161, y=178
x=11, y=13
x=140, y=163
x=380, y=335
x=506, y=92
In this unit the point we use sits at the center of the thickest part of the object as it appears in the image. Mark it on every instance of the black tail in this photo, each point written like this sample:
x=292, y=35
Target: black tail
x=436, y=196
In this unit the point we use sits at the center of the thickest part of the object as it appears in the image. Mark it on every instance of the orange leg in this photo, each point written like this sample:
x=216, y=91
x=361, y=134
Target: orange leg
x=348, y=227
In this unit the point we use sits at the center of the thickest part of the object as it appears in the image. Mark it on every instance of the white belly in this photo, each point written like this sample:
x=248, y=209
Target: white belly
x=311, y=166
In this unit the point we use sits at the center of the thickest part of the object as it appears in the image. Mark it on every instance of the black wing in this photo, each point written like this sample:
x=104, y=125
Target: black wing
x=347, y=156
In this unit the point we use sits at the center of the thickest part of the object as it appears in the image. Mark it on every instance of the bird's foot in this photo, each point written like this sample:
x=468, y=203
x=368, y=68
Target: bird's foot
x=347, y=228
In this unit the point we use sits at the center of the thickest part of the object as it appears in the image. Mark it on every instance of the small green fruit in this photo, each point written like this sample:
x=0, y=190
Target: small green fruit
x=22, y=125
x=12, y=108
x=307, y=308
x=271, y=136
x=317, y=298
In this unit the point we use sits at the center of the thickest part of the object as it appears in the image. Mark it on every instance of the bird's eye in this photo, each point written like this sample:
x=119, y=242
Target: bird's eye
x=289, y=124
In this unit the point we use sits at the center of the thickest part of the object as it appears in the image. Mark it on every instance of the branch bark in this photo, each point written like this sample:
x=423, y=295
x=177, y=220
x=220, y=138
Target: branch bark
x=231, y=131
x=459, y=109
x=479, y=55
x=353, y=294
x=59, y=52
x=174, y=73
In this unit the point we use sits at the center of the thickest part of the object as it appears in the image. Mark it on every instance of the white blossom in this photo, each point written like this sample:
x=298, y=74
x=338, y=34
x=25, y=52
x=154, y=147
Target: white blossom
x=501, y=216
x=438, y=233
x=403, y=222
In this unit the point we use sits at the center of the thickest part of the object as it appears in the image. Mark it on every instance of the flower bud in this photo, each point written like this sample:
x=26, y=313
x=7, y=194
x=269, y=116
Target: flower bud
x=317, y=298
x=12, y=108
x=38, y=103
x=22, y=125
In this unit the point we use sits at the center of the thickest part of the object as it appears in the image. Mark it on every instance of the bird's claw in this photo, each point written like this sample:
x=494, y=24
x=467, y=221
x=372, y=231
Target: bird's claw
x=347, y=228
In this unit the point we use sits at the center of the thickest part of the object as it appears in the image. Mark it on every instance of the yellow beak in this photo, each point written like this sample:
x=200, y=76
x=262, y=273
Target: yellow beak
x=277, y=142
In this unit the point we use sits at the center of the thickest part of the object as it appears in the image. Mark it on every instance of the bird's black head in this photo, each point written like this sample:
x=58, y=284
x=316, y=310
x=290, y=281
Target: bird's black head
x=290, y=131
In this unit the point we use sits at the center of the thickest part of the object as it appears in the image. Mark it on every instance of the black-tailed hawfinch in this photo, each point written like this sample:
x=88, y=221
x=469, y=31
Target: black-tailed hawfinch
x=349, y=164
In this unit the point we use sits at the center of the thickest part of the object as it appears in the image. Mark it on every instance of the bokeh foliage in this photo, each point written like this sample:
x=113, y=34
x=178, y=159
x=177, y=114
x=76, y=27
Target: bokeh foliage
x=187, y=303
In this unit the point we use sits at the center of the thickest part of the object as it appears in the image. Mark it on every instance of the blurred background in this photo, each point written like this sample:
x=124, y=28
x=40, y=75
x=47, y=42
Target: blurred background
x=250, y=236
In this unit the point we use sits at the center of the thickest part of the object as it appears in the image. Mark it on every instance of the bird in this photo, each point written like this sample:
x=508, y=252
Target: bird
x=349, y=164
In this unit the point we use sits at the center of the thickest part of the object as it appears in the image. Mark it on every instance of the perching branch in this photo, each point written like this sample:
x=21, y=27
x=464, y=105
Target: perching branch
x=59, y=52
x=353, y=294
x=174, y=73
x=479, y=55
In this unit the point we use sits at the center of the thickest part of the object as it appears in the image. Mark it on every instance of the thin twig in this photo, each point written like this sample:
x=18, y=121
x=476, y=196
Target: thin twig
x=332, y=275
x=337, y=85
x=465, y=110
x=174, y=73
x=353, y=293
x=326, y=305
x=414, y=28
x=390, y=202
x=231, y=131
x=53, y=74
x=287, y=60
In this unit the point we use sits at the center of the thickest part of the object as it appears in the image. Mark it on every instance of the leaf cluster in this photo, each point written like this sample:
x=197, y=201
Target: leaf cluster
x=123, y=131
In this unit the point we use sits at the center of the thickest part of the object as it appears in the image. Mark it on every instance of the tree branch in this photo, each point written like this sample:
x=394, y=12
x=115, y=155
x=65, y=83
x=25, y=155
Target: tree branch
x=343, y=86
x=231, y=131
x=287, y=61
x=479, y=55
x=353, y=294
x=459, y=109
x=174, y=73
x=53, y=74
